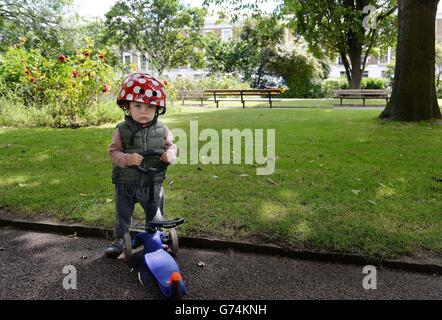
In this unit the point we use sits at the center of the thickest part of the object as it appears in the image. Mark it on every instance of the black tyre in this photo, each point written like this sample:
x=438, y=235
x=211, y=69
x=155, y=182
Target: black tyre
x=173, y=242
x=176, y=291
x=127, y=247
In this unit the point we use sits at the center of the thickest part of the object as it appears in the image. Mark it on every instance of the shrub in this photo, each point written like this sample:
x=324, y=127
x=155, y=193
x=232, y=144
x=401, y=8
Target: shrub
x=214, y=81
x=301, y=71
x=439, y=91
x=65, y=87
x=329, y=85
x=374, y=83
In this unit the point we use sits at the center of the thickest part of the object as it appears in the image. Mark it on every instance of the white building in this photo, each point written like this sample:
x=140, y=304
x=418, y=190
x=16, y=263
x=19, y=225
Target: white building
x=375, y=68
x=211, y=24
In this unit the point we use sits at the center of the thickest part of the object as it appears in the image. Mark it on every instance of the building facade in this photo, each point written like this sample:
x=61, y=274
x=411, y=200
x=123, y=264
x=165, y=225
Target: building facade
x=211, y=25
x=375, y=68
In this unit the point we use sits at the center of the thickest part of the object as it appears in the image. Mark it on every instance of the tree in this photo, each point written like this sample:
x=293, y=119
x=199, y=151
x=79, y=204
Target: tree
x=261, y=34
x=165, y=32
x=37, y=23
x=438, y=64
x=301, y=71
x=337, y=27
x=223, y=56
x=414, y=88
x=250, y=53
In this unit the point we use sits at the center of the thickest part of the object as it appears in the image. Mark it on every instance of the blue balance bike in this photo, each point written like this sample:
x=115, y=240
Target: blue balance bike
x=157, y=260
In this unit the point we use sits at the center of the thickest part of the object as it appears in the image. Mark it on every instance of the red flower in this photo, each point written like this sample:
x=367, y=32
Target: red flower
x=27, y=72
x=105, y=88
x=86, y=53
x=165, y=82
x=61, y=58
x=32, y=79
x=74, y=73
x=101, y=55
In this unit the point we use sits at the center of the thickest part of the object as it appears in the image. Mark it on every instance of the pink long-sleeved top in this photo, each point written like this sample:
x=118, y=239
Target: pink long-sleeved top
x=116, y=154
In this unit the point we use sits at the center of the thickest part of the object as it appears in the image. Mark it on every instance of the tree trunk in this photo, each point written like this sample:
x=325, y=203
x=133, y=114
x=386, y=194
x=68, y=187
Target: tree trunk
x=356, y=75
x=354, y=72
x=414, y=88
x=353, y=63
x=356, y=62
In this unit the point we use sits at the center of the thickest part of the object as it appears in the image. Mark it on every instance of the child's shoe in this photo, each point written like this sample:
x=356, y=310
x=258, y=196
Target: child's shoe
x=136, y=243
x=115, y=249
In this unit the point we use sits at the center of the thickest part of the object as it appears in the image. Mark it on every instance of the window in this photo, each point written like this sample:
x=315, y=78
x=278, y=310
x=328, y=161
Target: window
x=340, y=61
x=226, y=35
x=365, y=74
x=143, y=63
x=127, y=59
x=343, y=74
x=384, y=58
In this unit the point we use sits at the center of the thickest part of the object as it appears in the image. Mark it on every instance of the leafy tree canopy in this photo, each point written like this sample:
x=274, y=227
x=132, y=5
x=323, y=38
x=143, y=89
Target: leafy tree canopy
x=164, y=31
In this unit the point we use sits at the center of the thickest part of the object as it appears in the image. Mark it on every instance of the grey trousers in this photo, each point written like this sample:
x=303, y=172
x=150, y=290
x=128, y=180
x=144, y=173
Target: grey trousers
x=126, y=196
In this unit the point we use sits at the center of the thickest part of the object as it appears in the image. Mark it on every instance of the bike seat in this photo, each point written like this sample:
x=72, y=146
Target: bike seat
x=167, y=224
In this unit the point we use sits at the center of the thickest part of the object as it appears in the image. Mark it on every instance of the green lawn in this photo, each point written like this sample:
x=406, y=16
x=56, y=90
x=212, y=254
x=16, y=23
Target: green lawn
x=343, y=181
x=293, y=103
x=289, y=103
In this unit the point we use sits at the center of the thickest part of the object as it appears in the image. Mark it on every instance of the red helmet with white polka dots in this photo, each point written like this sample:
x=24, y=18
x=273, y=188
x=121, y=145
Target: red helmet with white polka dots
x=142, y=87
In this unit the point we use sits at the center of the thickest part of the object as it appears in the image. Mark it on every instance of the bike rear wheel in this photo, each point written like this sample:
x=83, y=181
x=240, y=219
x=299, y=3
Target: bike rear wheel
x=173, y=242
x=127, y=247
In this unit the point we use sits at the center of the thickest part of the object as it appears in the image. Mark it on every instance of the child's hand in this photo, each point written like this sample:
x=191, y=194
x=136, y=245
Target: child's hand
x=165, y=158
x=134, y=159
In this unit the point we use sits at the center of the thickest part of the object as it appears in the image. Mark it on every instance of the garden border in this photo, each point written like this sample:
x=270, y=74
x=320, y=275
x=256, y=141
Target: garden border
x=427, y=265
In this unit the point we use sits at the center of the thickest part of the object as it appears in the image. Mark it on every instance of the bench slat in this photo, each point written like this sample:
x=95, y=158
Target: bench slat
x=241, y=94
x=361, y=94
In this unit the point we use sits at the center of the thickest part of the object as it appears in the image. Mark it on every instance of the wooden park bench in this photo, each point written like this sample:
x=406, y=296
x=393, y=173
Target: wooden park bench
x=243, y=95
x=191, y=95
x=362, y=94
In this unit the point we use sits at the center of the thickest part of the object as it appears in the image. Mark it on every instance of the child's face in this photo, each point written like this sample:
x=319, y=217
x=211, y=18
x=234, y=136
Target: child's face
x=142, y=112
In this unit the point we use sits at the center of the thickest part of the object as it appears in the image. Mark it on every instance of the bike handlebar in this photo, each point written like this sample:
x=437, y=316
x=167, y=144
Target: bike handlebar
x=167, y=224
x=152, y=153
x=151, y=170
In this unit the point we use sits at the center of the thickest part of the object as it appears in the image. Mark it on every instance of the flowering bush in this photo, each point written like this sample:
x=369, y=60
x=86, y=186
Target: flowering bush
x=68, y=86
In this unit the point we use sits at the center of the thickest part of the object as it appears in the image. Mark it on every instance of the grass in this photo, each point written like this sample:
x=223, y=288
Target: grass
x=294, y=103
x=344, y=181
x=290, y=103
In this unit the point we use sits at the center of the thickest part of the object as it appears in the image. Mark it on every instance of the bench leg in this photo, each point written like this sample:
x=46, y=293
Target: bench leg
x=270, y=100
x=364, y=101
x=341, y=102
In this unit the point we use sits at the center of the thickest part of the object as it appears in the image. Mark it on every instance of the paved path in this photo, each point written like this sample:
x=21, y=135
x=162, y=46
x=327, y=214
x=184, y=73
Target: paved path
x=31, y=267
